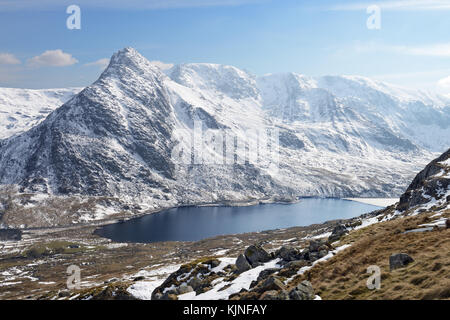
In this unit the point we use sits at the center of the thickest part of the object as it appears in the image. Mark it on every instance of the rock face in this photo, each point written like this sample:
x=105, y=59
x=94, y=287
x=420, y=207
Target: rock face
x=399, y=260
x=432, y=183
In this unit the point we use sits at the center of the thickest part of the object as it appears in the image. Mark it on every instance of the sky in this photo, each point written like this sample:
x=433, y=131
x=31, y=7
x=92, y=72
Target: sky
x=405, y=42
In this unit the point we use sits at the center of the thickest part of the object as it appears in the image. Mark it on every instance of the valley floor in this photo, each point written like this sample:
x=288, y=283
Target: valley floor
x=36, y=267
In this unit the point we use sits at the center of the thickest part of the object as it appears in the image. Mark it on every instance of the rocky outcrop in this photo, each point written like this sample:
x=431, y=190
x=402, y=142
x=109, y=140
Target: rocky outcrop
x=288, y=254
x=338, y=232
x=195, y=276
x=433, y=182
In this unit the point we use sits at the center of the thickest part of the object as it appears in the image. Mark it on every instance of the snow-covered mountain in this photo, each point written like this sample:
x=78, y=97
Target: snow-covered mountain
x=125, y=134
x=22, y=109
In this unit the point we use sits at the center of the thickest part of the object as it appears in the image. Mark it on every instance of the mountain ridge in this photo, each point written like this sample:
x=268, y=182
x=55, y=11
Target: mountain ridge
x=117, y=138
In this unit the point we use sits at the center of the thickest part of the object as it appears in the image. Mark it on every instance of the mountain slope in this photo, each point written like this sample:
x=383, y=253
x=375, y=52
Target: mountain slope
x=115, y=139
x=22, y=109
x=158, y=139
x=430, y=189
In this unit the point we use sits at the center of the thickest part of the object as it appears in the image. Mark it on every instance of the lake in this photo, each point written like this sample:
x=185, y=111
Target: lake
x=196, y=223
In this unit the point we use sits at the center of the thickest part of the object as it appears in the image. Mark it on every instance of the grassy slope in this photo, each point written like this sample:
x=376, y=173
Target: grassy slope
x=428, y=277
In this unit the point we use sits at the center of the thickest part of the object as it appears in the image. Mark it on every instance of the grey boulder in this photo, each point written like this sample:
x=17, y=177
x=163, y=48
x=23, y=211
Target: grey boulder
x=304, y=291
x=399, y=260
x=242, y=264
x=256, y=254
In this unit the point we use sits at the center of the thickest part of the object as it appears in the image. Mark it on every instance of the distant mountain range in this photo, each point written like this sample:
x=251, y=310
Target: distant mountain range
x=124, y=135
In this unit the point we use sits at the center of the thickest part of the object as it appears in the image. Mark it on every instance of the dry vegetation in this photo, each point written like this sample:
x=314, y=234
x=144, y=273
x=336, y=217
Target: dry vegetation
x=24, y=209
x=428, y=277
x=45, y=254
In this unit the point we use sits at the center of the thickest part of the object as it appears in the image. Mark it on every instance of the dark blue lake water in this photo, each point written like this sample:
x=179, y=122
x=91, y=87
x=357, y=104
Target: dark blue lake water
x=196, y=223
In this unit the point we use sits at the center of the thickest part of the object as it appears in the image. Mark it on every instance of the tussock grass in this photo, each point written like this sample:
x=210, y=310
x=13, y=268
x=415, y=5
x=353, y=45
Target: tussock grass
x=428, y=277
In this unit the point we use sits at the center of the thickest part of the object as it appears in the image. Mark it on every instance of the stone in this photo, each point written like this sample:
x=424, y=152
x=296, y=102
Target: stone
x=271, y=283
x=288, y=254
x=196, y=284
x=139, y=278
x=292, y=268
x=314, y=245
x=184, y=289
x=447, y=223
x=256, y=254
x=169, y=296
x=242, y=264
x=157, y=296
x=296, y=264
x=304, y=291
x=399, y=260
x=215, y=263
x=265, y=273
x=338, y=232
x=313, y=256
x=64, y=293
x=212, y=263
x=322, y=253
x=274, y=295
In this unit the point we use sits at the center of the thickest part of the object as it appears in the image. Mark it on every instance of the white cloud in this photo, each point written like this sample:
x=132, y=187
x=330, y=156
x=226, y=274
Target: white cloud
x=444, y=83
x=8, y=58
x=399, y=5
x=101, y=63
x=53, y=58
x=436, y=50
x=432, y=50
x=162, y=65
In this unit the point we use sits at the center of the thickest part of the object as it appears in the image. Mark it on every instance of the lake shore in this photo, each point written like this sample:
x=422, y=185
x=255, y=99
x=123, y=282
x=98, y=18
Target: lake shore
x=379, y=202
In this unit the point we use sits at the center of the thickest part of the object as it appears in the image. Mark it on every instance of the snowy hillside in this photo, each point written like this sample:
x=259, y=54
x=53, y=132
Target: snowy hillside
x=134, y=135
x=21, y=109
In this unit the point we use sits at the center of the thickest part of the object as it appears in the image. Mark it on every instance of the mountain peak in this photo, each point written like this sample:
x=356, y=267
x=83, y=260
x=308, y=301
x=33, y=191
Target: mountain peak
x=129, y=58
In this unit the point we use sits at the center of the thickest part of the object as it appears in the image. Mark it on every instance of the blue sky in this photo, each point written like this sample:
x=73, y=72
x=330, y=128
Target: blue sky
x=318, y=37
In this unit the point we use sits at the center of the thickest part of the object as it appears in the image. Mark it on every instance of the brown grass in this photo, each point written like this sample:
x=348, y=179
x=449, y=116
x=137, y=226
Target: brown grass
x=428, y=277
